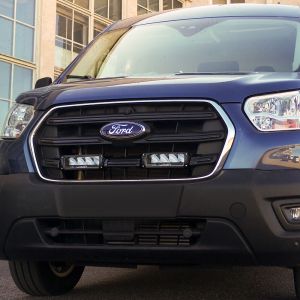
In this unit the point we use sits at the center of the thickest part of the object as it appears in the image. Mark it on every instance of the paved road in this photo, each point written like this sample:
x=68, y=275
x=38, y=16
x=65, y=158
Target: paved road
x=152, y=284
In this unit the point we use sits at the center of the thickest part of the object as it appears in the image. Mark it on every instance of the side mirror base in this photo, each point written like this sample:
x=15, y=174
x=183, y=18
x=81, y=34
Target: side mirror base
x=42, y=82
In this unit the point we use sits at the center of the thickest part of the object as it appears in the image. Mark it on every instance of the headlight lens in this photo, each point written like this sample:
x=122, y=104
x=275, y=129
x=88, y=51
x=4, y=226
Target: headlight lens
x=275, y=112
x=17, y=120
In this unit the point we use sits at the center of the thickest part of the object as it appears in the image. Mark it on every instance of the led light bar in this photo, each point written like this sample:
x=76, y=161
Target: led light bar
x=81, y=162
x=165, y=160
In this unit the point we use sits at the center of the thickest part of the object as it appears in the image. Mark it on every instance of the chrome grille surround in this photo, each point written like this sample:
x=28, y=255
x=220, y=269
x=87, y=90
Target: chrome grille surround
x=219, y=165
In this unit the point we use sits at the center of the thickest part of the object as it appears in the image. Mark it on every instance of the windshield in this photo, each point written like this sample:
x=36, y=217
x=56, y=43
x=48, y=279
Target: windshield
x=216, y=45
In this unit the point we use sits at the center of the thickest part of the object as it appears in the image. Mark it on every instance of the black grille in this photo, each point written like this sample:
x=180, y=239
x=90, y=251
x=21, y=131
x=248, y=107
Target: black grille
x=172, y=233
x=195, y=128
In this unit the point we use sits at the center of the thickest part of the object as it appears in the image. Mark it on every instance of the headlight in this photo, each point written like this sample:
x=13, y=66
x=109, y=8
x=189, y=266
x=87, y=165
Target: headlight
x=275, y=112
x=17, y=120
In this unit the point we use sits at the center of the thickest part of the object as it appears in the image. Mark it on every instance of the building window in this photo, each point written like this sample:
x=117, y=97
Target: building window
x=219, y=2
x=171, y=4
x=98, y=27
x=147, y=6
x=227, y=1
x=17, y=27
x=110, y=9
x=72, y=29
x=83, y=3
x=14, y=79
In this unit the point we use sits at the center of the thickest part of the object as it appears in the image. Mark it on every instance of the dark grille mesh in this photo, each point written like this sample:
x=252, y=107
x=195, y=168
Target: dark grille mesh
x=172, y=233
x=190, y=127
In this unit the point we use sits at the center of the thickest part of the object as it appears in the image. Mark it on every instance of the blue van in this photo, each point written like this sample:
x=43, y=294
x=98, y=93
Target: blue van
x=170, y=140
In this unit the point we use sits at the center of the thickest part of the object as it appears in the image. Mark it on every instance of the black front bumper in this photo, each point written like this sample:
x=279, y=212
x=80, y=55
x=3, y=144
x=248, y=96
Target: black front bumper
x=237, y=206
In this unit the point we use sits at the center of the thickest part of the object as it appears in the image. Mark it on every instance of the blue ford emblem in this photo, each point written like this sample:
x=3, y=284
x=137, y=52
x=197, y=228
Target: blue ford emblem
x=122, y=130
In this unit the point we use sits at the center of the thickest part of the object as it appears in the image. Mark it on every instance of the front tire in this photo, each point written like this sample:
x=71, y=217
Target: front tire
x=297, y=281
x=43, y=278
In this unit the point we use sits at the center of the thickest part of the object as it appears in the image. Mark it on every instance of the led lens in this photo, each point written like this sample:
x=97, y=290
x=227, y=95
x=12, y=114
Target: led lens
x=292, y=214
x=275, y=112
x=165, y=160
x=18, y=119
x=81, y=162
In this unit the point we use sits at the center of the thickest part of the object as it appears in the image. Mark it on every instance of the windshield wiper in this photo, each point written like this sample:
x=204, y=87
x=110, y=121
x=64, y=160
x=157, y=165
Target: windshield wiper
x=212, y=73
x=111, y=77
x=85, y=77
x=88, y=77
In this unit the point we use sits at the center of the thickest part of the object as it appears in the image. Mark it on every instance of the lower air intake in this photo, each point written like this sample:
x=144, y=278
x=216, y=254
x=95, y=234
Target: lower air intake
x=168, y=233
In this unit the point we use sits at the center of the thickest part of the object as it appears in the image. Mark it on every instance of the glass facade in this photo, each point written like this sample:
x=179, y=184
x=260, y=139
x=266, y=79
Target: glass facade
x=72, y=30
x=17, y=27
x=227, y=1
x=75, y=28
x=82, y=3
x=17, y=54
x=148, y=6
x=98, y=27
x=110, y=9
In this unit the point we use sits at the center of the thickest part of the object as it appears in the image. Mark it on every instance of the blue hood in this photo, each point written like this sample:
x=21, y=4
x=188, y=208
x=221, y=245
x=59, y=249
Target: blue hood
x=220, y=88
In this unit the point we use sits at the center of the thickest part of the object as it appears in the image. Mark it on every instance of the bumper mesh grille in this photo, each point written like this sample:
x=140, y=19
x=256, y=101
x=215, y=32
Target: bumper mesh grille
x=172, y=233
x=195, y=128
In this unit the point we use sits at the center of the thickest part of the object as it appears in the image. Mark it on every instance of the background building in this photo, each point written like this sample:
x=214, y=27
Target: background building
x=40, y=38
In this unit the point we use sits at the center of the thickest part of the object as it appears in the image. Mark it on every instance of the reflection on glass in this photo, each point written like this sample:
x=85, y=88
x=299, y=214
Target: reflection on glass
x=154, y=5
x=80, y=29
x=142, y=2
x=115, y=10
x=286, y=157
x=219, y=2
x=77, y=49
x=4, y=108
x=72, y=30
x=24, y=42
x=64, y=26
x=177, y=4
x=78, y=33
x=5, y=75
x=111, y=9
x=101, y=8
x=7, y=8
x=22, y=80
x=82, y=3
x=26, y=11
x=167, y=4
x=98, y=27
x=6, y=36
x=63, y=52
x=146, y=6
x=180, y=43
x=141, y=10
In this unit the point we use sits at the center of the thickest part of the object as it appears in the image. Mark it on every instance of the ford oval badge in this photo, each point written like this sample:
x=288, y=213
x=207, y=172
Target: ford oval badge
x=122, y=130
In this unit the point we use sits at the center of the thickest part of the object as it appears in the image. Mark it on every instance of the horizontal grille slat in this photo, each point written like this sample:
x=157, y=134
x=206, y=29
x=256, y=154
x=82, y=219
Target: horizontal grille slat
x=71, y=141
x=194, y=128
x=135, y=117
x=187, y=137
x=157, y=138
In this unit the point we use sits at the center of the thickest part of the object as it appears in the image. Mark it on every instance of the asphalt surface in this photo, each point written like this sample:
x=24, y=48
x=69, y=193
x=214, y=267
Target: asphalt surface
x=172, y=284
